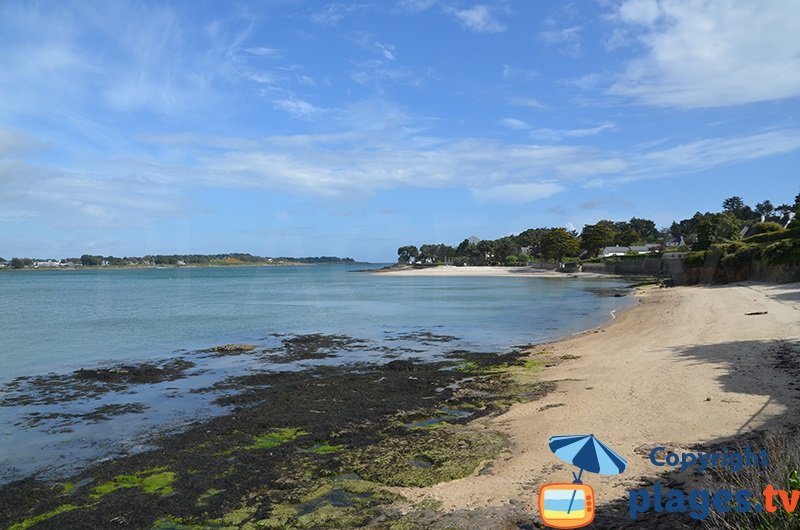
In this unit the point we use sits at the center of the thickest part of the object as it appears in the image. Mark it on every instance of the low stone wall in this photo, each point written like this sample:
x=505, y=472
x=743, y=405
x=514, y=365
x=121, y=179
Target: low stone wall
x=646, y=265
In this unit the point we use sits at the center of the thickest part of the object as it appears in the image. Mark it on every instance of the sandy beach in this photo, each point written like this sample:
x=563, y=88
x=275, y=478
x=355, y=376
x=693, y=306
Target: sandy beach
x=450, y=270
x=688, y=365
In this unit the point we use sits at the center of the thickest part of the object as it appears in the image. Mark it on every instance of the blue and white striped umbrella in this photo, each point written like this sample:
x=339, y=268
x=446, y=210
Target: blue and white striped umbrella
x=588, y=453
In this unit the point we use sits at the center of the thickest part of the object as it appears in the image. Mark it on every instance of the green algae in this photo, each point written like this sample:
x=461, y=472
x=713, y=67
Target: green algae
x=277, y=437
x=345, y=501
x=281, y=516
x=27, y=523
x=202, y=500
x=67, y=488
x=173, y=523
x=475, y=368
x=325, y=448
x=424, y=458
x=238, y=516
x=156, y=480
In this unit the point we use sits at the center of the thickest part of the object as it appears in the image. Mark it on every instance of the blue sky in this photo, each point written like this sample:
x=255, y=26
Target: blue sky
x=309, y=128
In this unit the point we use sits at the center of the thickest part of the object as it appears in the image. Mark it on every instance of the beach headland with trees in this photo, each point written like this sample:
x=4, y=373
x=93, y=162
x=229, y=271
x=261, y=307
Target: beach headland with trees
x=735, y=238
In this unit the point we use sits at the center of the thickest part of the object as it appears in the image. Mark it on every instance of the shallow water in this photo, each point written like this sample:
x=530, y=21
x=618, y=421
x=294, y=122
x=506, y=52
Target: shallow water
x=60, y=321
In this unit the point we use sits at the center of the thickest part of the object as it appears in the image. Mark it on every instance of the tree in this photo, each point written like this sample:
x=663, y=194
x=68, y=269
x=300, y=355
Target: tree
x=715, y=228
x=645, y=228
x=765, y=208
x=485, y=252
x=90, y=261
x=407, y=254
x=784, y=209
x=596, y=237
x=627, y=237
x=17, y=263
x=504, y=247
x=733, y=204
x=736, y=206
x=558, y=243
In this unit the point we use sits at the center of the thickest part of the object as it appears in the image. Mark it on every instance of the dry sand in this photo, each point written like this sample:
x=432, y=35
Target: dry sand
x=686, y=366
x=450, y=270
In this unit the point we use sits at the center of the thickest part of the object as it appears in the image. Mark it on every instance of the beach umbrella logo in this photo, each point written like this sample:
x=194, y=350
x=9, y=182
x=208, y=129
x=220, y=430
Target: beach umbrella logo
x=572, y=505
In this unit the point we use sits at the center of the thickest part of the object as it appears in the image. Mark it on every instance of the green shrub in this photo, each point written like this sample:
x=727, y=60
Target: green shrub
x=791, y=233
x=766, y=227
x=783, y=252
x=695, y=258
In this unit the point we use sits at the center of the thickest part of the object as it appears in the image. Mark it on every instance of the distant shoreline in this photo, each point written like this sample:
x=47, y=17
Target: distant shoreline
x=165, y=266
x=451, y=270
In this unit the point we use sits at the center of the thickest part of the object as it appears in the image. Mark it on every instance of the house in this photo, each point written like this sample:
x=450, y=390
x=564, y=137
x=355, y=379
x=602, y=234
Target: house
x=622, y=251
x=676, y=242
x=45, y=264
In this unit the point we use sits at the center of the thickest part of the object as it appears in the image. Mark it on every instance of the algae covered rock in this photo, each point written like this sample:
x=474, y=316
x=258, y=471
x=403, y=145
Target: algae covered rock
x=426, y=457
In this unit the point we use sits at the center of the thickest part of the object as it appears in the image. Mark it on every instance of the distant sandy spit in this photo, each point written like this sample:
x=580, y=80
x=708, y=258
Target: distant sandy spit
x=449, y=270
x=689, y=365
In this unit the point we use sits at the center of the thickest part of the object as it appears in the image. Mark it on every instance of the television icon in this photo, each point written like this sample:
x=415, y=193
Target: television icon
x=566, y=505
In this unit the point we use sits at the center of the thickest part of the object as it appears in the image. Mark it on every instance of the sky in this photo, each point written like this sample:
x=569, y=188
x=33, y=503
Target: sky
x=305, y=128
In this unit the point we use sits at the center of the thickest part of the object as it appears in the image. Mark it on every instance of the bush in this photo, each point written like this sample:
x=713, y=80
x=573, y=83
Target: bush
x=695, y=258
x=783, y=252
x=766, y=227
x=766, y=237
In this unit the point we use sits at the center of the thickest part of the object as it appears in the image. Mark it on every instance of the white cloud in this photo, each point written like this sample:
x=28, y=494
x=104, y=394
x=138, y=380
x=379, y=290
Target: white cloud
x=416, y=6
x=513, y=123
x=518, y=193
x=299, y=108
x=262, y=51
x=532, y=103
x=479, y=18
x=559, y=134
x=513, y=73
x=386, y=50
x=566, y=40
x=16, y=143
x=713, y=152
x=711, y=53
x=332, y=14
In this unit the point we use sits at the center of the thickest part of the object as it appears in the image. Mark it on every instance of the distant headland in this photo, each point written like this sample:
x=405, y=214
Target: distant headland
x=162, y=260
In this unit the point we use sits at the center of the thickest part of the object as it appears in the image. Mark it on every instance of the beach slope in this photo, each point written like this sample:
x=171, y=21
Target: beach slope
x=688, y=365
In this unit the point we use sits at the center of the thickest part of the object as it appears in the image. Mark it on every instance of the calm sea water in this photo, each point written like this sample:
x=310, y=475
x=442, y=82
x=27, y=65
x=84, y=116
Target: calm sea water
x=58, y=321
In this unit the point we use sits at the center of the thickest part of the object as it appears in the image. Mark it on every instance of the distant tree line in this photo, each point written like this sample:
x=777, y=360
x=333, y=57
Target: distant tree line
x=698, y=232
x=319, y=259
x=89, y=260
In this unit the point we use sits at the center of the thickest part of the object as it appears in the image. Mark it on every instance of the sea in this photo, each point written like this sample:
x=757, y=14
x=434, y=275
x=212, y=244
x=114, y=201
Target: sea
x=53, y=323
